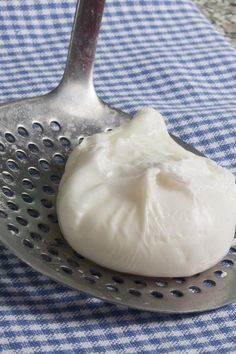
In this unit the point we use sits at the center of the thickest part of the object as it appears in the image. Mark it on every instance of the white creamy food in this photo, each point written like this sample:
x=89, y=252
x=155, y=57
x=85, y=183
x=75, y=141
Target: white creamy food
x=134, y=201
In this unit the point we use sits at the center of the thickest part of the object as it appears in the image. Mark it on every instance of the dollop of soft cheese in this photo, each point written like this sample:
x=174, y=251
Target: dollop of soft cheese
x=134, y=201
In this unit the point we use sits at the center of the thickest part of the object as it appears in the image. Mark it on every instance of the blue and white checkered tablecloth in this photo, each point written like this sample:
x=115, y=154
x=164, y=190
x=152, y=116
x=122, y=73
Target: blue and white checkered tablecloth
x=163, y=54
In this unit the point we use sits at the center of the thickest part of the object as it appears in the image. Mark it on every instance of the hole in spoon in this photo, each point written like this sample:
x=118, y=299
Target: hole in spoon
x=232, y=250
x=117, y=279
x=28, y=243
x=66, y=269
x=7, y=191
x=45, y=257
x=2, y=147
x=176, y=293
x=33, y=172
x=48, y=142
x=44, y=164
x=33, y=148
x=46, y=203
x=194, y=289
x=7, y=177
x=226, y=263
x=12, y=165
x=59, y=159
x=34, y=213
x=12, y=206
x=35, y=236
x=22, y=132
x=209, y=283
x=112, y=288
x=21, y=155
x=10, y=138
x=21, y=221
x=55, y=179
x=13, y=229
x=27, y=184
x=134, y=292
x=43, y=227
x=48, y=190
x=220, y=274
x=64, y=141
x=27, y=198
x=37, y=127
x=3, y=215
x=157, y=294
x=55, y=126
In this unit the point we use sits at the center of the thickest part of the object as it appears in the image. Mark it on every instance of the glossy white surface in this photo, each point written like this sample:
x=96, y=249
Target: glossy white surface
x=134, y=201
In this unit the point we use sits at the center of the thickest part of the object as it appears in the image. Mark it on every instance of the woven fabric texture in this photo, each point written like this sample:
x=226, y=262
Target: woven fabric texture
x=163, y=54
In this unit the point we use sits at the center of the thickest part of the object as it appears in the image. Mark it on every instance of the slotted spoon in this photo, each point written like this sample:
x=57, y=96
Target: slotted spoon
x=36, y=136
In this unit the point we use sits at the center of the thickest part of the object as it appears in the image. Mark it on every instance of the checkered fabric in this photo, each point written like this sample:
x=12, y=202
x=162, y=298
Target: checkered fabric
x=160, y=53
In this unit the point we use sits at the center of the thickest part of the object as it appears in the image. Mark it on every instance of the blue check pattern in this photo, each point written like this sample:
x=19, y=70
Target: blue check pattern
x=163, y=54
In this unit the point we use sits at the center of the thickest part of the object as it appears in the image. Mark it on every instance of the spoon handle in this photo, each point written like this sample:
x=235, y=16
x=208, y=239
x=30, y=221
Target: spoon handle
x=79, y=66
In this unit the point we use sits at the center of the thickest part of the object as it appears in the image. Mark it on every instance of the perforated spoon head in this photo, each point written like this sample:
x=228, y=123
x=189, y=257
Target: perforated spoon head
x=36, y=137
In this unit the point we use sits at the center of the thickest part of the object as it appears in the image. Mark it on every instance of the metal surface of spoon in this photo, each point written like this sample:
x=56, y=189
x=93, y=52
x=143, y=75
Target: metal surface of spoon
x=36, y=136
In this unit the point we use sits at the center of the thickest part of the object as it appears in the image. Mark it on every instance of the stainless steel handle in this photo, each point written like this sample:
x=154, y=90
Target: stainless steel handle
x=83, y=42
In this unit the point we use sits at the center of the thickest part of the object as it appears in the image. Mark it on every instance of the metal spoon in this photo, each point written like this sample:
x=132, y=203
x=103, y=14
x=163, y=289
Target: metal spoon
x=36, y=137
